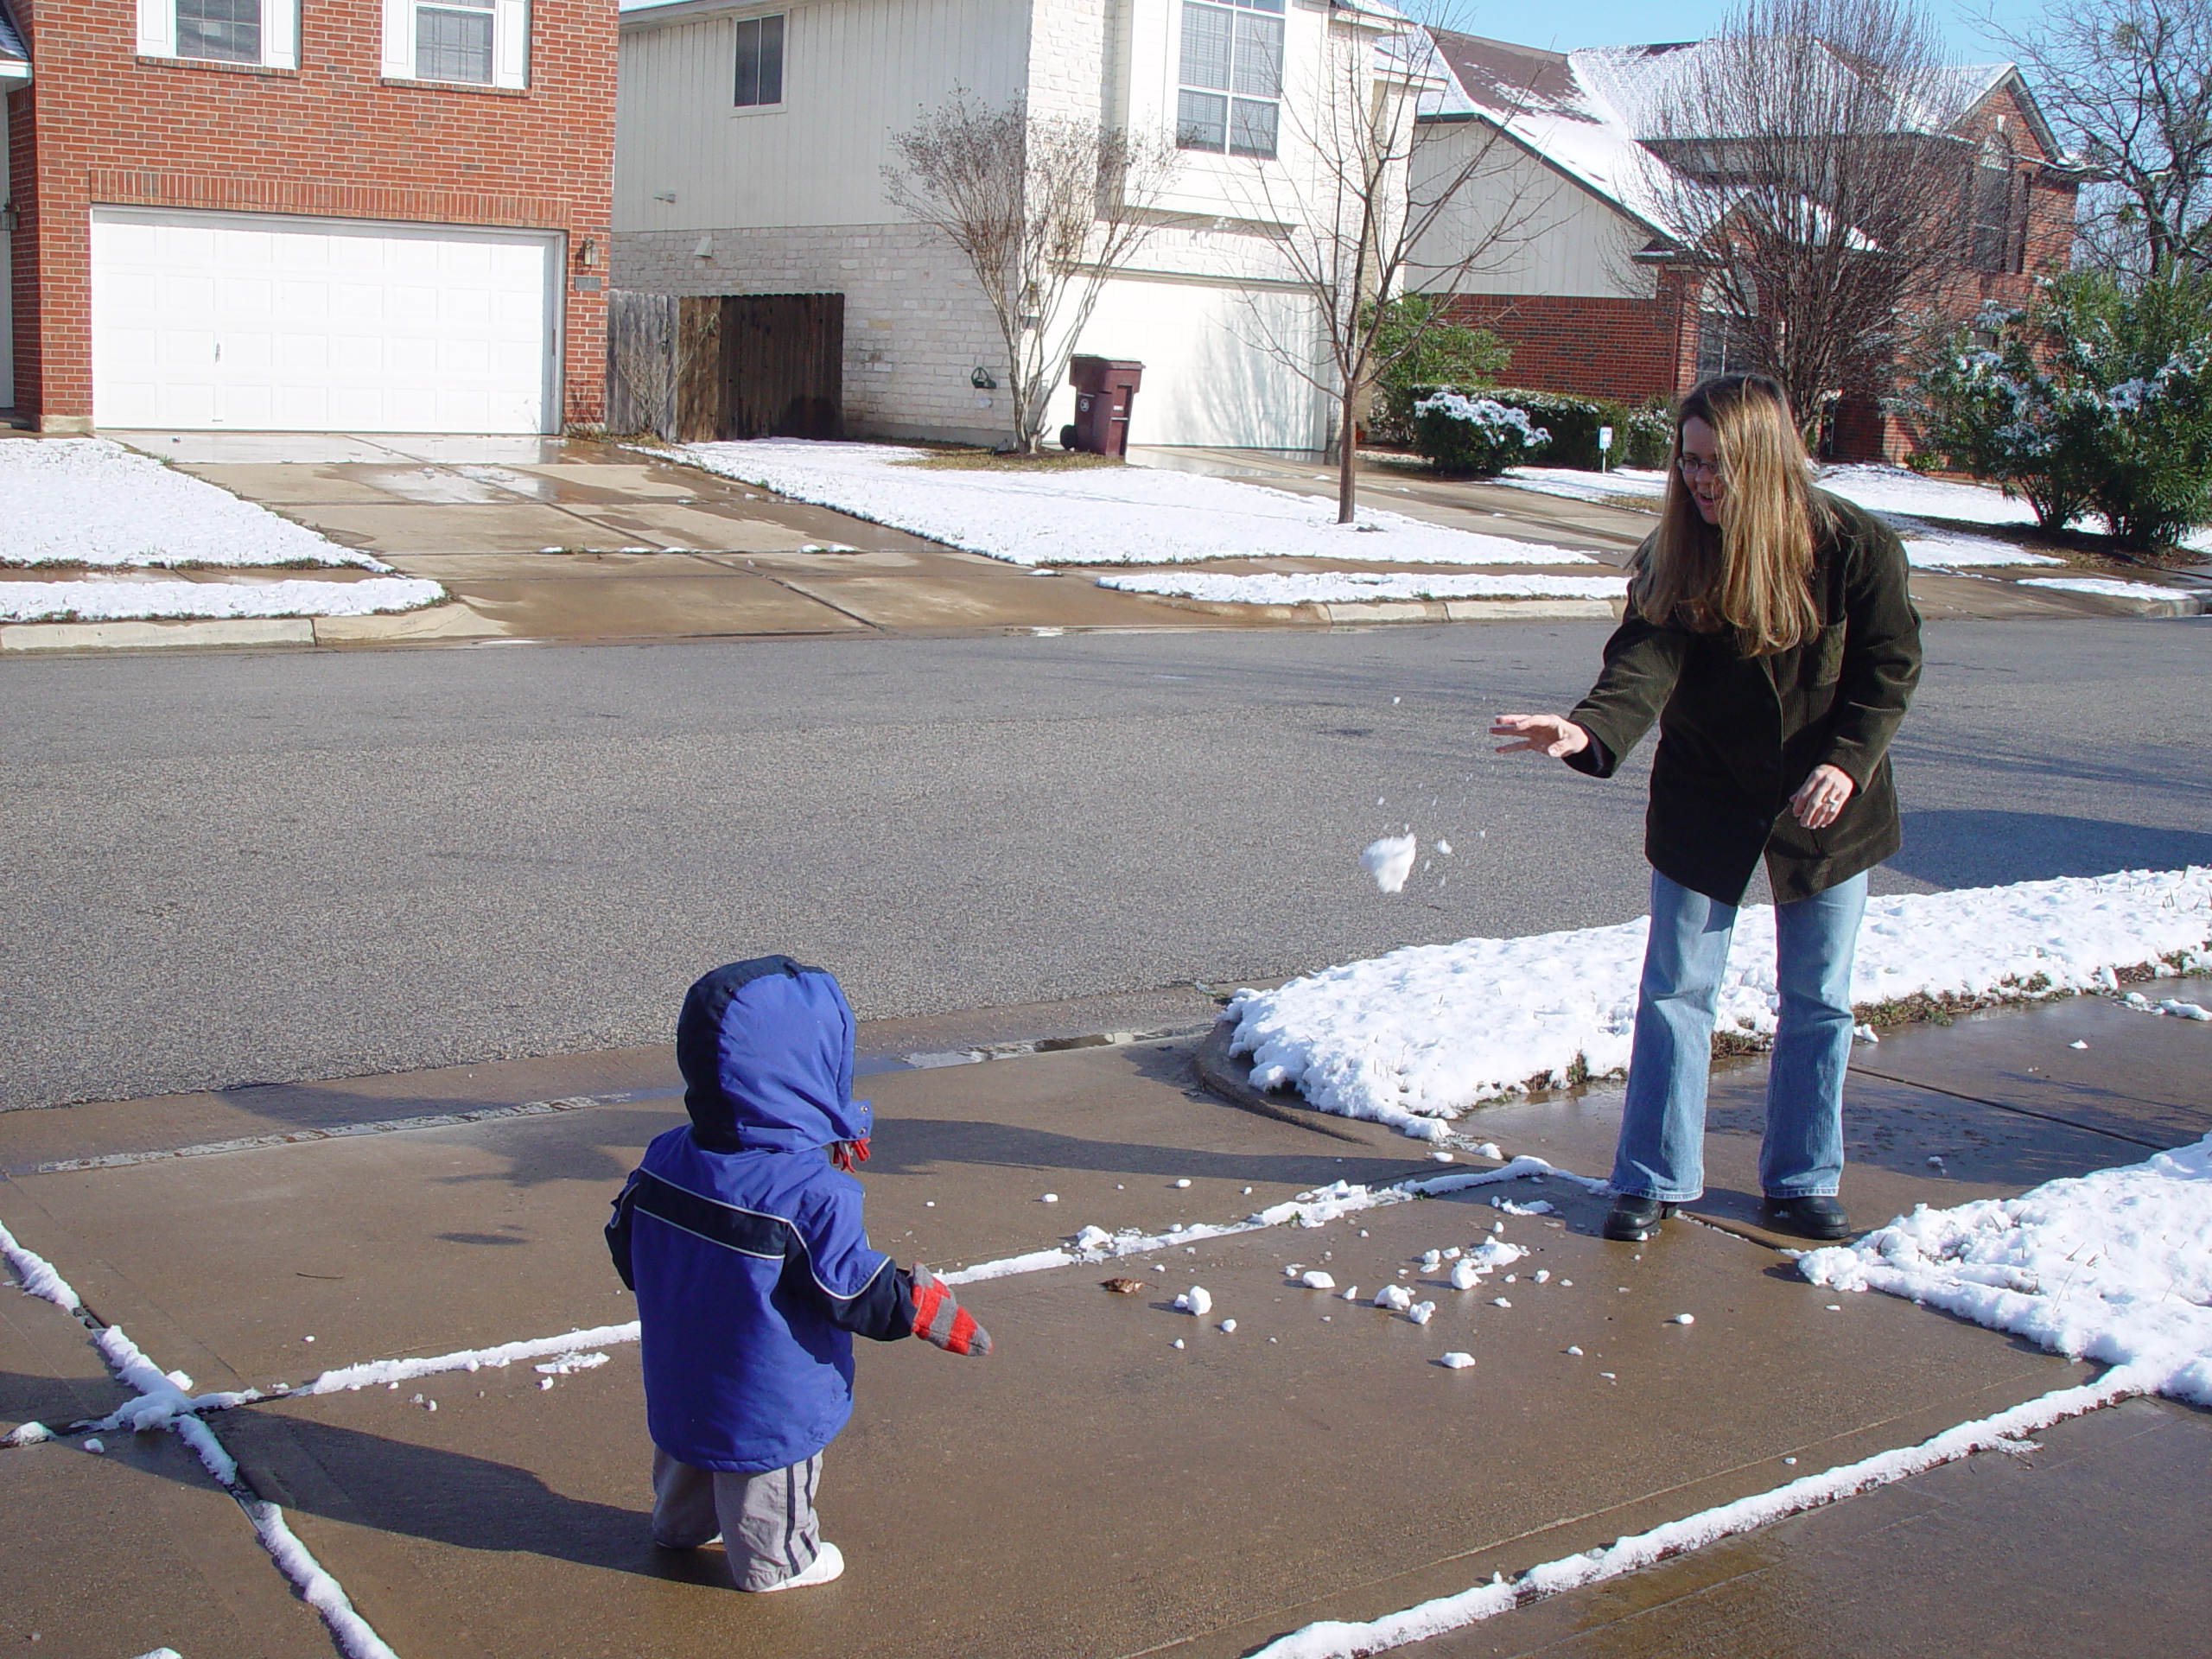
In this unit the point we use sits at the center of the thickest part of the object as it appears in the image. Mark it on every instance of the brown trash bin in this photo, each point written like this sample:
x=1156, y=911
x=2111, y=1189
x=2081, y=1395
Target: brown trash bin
x=1105, y=389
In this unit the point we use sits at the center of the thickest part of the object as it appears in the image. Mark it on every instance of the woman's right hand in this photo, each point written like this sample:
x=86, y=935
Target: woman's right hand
x=1552, y=734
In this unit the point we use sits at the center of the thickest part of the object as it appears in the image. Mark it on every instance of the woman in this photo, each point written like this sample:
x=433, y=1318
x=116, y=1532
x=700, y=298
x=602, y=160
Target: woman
x=1769, y=633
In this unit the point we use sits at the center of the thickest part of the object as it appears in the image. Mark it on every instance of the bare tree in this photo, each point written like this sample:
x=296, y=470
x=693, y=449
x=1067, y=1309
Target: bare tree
x=1803, y=158
x=2128, y=84
x=1363, y=185
x=1046, y=209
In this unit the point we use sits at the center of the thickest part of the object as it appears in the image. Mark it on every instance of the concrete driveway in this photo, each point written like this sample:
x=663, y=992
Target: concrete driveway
x=559, y=538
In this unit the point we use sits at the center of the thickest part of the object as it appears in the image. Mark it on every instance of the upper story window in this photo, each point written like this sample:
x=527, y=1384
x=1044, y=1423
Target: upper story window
x=1998, y=216
x=264, y=32
x=1231, y=100
x=468, y=42
x=760, y=61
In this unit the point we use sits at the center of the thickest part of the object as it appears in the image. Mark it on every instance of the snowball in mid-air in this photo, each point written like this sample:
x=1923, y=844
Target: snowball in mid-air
x=1389, y=860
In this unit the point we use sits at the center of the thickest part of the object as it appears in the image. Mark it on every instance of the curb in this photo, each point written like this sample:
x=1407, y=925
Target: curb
x=1341, y=612
x=1230, y=1077
x=138, y=636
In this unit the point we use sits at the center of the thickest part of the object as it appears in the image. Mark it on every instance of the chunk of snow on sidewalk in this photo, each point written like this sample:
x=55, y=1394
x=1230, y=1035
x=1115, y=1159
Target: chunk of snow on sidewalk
x=1356, y=586
x=1389, y=860
x=2106, y=586
x=92, y=501
x=1197, y=1301
x=1415, y=1037
x=1457, y=1360
x=2114, y=1266
x=120, y=601
x=1101, y=515
x=349, y=1377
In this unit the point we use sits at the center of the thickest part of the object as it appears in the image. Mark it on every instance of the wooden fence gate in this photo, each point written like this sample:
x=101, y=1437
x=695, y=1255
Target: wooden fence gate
x=695, y=368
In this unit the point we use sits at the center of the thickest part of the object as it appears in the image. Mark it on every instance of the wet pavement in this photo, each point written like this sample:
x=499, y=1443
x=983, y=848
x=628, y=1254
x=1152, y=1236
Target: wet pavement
x=1092, y=1488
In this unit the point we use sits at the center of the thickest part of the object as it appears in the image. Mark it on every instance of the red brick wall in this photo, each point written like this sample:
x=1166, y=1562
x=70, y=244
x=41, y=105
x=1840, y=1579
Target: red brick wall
x=1628, y=349
x=100, y=124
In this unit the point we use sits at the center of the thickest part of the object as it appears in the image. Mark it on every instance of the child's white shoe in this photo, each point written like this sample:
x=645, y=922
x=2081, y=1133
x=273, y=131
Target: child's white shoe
x=829, y=1564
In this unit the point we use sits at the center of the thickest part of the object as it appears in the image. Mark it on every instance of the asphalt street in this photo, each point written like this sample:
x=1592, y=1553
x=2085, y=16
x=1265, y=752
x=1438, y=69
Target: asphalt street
x=229, y=868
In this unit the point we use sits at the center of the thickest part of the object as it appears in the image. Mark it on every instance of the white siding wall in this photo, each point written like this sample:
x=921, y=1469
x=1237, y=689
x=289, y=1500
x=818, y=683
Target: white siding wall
x=1552, y=236
x=856, y=71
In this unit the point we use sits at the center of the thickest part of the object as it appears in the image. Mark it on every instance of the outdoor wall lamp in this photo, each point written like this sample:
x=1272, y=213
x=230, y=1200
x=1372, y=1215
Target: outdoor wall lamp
x=587, y=253
x=982, y=379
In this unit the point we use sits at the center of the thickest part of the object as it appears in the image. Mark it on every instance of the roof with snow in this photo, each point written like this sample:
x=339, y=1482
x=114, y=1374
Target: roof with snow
x=1588, y=112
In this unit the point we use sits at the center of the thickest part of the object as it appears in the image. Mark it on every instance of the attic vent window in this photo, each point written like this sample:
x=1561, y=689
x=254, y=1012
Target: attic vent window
x=760, y=61
x=1231, y=80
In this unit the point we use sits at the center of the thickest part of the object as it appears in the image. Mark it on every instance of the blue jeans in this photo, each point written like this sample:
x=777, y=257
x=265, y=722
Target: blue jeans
x=1662, y=1151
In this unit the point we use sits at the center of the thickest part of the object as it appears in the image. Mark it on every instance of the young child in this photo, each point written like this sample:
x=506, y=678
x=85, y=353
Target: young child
x=740, y=1233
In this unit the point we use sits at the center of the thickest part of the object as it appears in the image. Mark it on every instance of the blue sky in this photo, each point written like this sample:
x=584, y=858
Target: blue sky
x=1623, y=22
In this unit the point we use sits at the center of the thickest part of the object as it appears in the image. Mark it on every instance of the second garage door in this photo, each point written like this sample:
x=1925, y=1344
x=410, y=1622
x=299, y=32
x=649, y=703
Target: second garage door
x=258, y=323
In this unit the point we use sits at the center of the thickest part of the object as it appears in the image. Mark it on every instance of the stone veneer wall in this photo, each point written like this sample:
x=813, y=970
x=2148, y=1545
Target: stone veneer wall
x=915, y=327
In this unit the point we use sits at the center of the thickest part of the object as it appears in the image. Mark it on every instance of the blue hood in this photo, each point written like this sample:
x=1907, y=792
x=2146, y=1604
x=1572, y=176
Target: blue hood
x=767, y=1051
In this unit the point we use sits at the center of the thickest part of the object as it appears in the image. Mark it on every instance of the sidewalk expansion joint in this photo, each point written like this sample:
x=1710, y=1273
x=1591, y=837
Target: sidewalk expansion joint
x=2019, y=1111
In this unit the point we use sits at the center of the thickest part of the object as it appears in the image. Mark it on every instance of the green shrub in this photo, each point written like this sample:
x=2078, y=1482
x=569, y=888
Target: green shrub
x=1643, y=433
x=1475, y=437
x=2097, y=397
x=1434, y=354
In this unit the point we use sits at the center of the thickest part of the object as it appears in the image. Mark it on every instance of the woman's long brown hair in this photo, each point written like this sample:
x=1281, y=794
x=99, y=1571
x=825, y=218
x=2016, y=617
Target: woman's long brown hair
x=1752, y=574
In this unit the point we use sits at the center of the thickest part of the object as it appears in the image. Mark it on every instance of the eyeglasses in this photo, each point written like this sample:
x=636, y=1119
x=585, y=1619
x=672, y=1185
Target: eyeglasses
x=1697, y=466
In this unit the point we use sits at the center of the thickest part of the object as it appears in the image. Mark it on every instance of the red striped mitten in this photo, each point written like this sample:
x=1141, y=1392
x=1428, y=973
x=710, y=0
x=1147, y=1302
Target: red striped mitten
x=940, y=1319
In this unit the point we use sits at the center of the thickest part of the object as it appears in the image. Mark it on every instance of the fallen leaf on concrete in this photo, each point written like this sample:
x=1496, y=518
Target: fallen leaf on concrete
x=1121, y=1287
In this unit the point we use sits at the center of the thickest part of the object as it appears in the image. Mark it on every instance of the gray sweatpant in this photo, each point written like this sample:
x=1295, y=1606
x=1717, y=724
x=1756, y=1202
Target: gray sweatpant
x=766, y=1522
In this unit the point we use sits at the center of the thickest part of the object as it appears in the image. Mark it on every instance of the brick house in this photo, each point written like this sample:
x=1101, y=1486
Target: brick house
x=376, y=215
x=753, y=133
x=1602, y=299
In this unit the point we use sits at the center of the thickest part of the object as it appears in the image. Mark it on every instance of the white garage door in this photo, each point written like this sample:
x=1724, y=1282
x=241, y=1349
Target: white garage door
x=257, y=322
x=1211, y=377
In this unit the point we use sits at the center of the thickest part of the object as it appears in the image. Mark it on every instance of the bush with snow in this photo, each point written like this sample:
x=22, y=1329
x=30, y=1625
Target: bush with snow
x=2097, y=397
x=1476, y=436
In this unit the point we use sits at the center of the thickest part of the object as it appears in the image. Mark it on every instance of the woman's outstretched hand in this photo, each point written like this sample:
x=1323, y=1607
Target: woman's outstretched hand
x=1822, y=798
x=1552, y=734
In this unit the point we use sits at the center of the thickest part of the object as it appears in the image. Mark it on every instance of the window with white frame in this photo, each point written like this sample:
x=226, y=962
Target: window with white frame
x=760, y=61
x=1231, y=95
x=262, y=32
x=468, y=42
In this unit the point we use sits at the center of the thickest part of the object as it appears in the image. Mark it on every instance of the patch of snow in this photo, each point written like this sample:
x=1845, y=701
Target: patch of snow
x=39, y=1276
x=1416, y=1037
x=1106, y=515
x=1314, y=1279
x=367, y=1375
x=1334, y=1639
x=1898, y=490
x=1397, y=1298
x=2108, y=586
x=26, y=1434
x=1928, y=550
x=567, y=1365
x=1575, y=485
x=2114, y=1266
x=1421, y=1312
x=1389, y=860
x=1457, y=1360
x=1355, y=586
x=120, y=601
x=92, y=501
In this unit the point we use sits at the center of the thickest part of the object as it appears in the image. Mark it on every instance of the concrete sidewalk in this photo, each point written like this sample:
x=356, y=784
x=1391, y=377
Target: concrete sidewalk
x=1093, y=1488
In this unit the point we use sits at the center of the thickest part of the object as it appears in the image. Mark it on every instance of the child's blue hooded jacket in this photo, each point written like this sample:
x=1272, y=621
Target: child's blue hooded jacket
x=744, y=1243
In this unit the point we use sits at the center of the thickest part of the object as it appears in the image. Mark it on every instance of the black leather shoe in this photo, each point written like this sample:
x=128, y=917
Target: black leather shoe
x=1812, y=1217
x=1630, y=1221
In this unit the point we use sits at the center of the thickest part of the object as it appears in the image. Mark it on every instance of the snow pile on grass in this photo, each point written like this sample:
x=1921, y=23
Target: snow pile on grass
x=1416, y=1037
x=90, y=501
x=1900, y=497
x=1322, y=587
x=1101, y=515
x=115, y=601
x=2114, y=1266
x=2108, y=586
